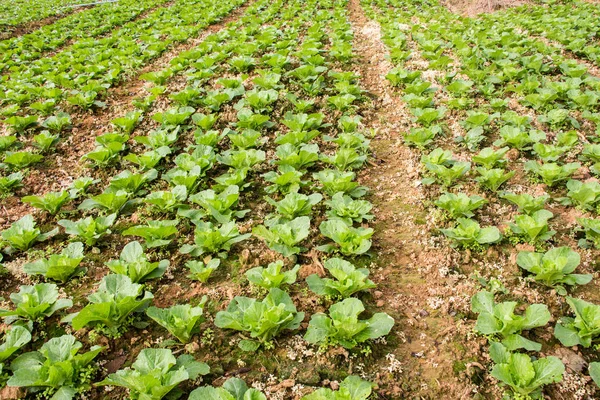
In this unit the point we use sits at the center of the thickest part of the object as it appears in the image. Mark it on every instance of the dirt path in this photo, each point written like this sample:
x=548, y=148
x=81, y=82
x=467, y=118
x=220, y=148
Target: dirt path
x=414, y=276
x=9, y=32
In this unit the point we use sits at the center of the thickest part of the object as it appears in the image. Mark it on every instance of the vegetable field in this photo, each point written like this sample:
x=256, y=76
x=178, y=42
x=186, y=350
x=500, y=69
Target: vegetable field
x=299, y=199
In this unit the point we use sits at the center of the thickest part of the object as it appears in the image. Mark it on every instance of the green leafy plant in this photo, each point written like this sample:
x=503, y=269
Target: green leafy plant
x=211, y=239
x=14, y=339
x=45, y=141
x=554, y=268
x=233, y=389
x=156, y=373
x=56, y=366
x=180, y=320
x=342, y=326
x=149, y=159
x=583, y=329
x=349, y=240
x=21, y=159
x=89, y=229
x=348, y=209
x=80, y=186
x=591, y=227
x=517, y=138
x=525, y=377
x=551, y=173
x=348, y=279
x=534, y=227
x=490, y=158
x=585, y=195
x=112, y=202
x=264, y=320
x=6, y=142
x=334, y=181
x=155, y=233
x=272, y=276
x=10, y=183
x=298, y=157
x=245, y=158
x=35, y=303
x=525, y=202
x=167, y=201
x=23, y=234
x=134, y=264
x=174, y=117
x=351, y=388
x=57, y=123
x=468, y=233
x=58, y=267
x=129, y=182
x=447, y=175
x=594, y=371
x=220, y=205
x=285, y=180
x=498, y=320
x=283, y=237
x=21, y=124
x=295, y=205
x=492, y=179
x=460, y=205
x=51, y=202
x=128, y=122
x=111, y=306
x=200, y=271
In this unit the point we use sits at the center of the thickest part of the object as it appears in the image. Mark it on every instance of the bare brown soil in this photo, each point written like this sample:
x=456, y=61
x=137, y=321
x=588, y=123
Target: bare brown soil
x=475, y=7
x=416, y=291
x=7, y=32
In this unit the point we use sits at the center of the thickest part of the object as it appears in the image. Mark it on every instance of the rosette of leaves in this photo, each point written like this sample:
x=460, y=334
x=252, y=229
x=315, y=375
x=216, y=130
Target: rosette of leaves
x=35, y=303
x=50, y=202
x=468, y=233
x=583, y=329
x=111, y=305
x=214, y=239
x=347, y=279
x=133, y=263
x=23, y=234
x=232, y=389
x=155, y=233
x=263, y=319
x=14, y=339
x=351, y=388
x=181, y=320
x=201, y=271
x=348, y=240
x=591, y=227
x=525, y=377
x=348, y=209
x=156, y=373
x=526, y=203
x=342, y=326
x=534, y=227
x=58, y=267
x=219, y=205
x=272, y=276
x=460, y=205
x=498, y=320
x=295, y=204
x=554, y=268
x=57, y=366
x=284, y=237
x=89, y=229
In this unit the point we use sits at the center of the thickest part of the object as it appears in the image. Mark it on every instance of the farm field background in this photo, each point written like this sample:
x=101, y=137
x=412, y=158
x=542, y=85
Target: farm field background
x=322, y=199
